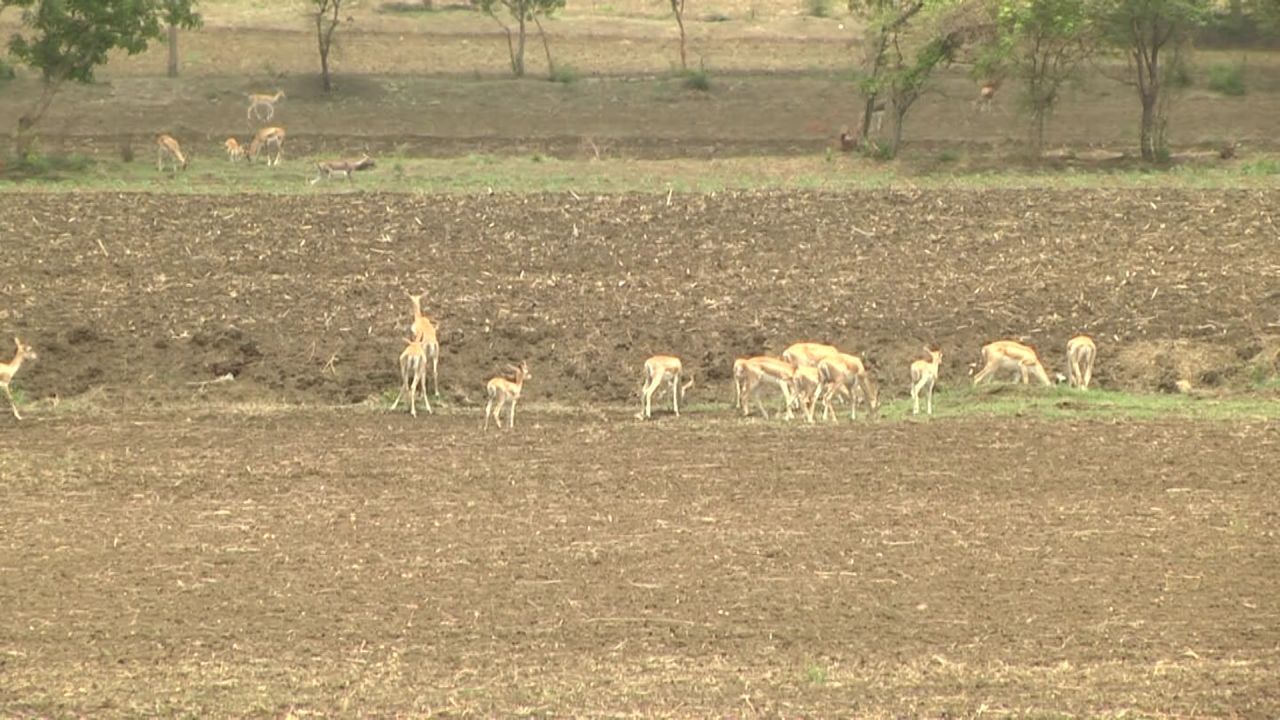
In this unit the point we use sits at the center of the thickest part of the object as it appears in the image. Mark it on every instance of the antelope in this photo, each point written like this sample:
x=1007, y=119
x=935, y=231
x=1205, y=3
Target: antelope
x=167, y=147
x=1081, y=350
x=346, y=168
x=235, y=151
x=503, y=391
x=924, y=375
x=657, y=370
x=808, y=383
x=847, y=375
x=413, y=364
x=986, y=95
x=739, y=380
x=1011, y=355
x=762, y=370
x=849, y=141
x=268, y=137
x=257, y=100
x=9, y=369
x=808, y=354
x=425, y=331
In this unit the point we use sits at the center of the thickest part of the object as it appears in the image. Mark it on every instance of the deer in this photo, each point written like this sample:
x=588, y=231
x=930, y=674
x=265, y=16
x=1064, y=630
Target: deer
x=413, y=375
x=235, y=151
x=924, y=375
x=257, y=100
x=1011, y=355
x=346, y=168
x=425, y=331
x=168, y=148
x=657, y=370
x=986, y=94
x=1081, y=351
x=758, y=371
x=504, y=391
x=9, y=369
x=847, y=375
x=808, y=384
x=268, y=137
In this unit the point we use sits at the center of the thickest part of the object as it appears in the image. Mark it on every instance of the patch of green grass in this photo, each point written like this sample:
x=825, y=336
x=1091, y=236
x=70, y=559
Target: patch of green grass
x=697, y=80
x=816, y=674
x=565, y=75
x=1227, y=78
x=1263, y=166
x=819, y=8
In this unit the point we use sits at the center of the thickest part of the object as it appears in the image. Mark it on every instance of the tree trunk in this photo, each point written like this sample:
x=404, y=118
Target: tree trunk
x=518, y=61
x=546, y=47
x=173, y=50
x=679, y=10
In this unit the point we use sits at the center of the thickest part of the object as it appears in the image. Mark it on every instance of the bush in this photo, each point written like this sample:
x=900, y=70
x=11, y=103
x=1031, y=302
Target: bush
x=697, y=80
x=565, y=75
x=819, y=8
x=1227, y=78
x=6, y=70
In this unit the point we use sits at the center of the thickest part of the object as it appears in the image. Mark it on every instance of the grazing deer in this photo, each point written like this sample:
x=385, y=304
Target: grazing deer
x=808, y=384
x=235, y=151
x=659, y=369
x=257, y=100
x=425, y=332
x=413, y=375
x=9, y=369
x=168, y=148
x=268, y=137
x=924, y=375
x=504, y=391
x=1081, y=350
x=986, y=95
x=1014, y=356
x=346, y=168
x=758, y=371
x=847, y=375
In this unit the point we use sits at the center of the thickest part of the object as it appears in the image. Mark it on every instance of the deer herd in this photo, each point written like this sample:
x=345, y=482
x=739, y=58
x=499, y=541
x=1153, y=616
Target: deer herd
x=267, y=141
x=805, y=374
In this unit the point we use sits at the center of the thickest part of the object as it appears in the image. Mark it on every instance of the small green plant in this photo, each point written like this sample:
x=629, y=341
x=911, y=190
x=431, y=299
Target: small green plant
x=877, y=150
x=816, y=674
x=948, y=156
x=6, y=70
x=819, y=8
x=1265, y=166
x=1179, y=74
x=697, y=80
x=565, y=75
x=1227, y=78
x=538, y=157
x=831, y=154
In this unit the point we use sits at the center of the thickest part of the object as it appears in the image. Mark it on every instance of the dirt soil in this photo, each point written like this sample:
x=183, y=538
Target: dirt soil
x=197, y=562
x=302, y=299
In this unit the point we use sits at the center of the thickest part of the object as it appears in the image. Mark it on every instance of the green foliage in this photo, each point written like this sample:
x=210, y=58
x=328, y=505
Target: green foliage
x=819, y=8
x=47, y=167
x=697, y=80
x=1263, y=167
x=6, y=70
x=1227, y=78
x=565, y=75
x=69, y=39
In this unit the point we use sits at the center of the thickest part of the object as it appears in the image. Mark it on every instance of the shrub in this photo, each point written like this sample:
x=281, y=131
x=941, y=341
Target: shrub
x=697, y=80
x=819, y=8
x=1227, y=78
x=565, y=75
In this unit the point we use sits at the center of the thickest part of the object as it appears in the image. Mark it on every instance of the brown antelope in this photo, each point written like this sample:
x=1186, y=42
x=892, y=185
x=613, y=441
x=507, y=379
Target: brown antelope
x=1081, y=350
x=657, y=370
x=1014, y=356
x=503, y=391
x=268, y=137
x=257, y=100
x=924, y=375
x=808, y=384
x=758, y=371
x=847, y=375
x=986, y=94
x=9, y=369
x=413, y=375
x=168, y=148
x=235, y=151
x=345, y=168
x=807, y=354
x=425, y=332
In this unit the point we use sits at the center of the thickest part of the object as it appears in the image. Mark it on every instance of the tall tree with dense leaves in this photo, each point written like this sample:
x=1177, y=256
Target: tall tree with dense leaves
x=1151, y=34
x=523, y=12
x=66, y=40
x=1044, y=44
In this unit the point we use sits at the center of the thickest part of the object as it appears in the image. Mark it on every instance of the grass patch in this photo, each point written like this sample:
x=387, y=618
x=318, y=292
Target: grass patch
x=565, y=75
x=697, y=80
x=819, y=8
x=1227, y=78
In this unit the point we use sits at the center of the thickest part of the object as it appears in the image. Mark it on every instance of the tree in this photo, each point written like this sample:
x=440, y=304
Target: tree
x=677, y=7
x=523, y=11
x=66, y=40
x=884, y=20
x=1042, y=43
x=327, y=14
x=1148, y=31
x=178, y=14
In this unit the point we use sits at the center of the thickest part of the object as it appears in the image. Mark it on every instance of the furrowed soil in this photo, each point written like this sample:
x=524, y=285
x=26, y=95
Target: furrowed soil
x=303, y=299
x=172, y=548
x=319, y=563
